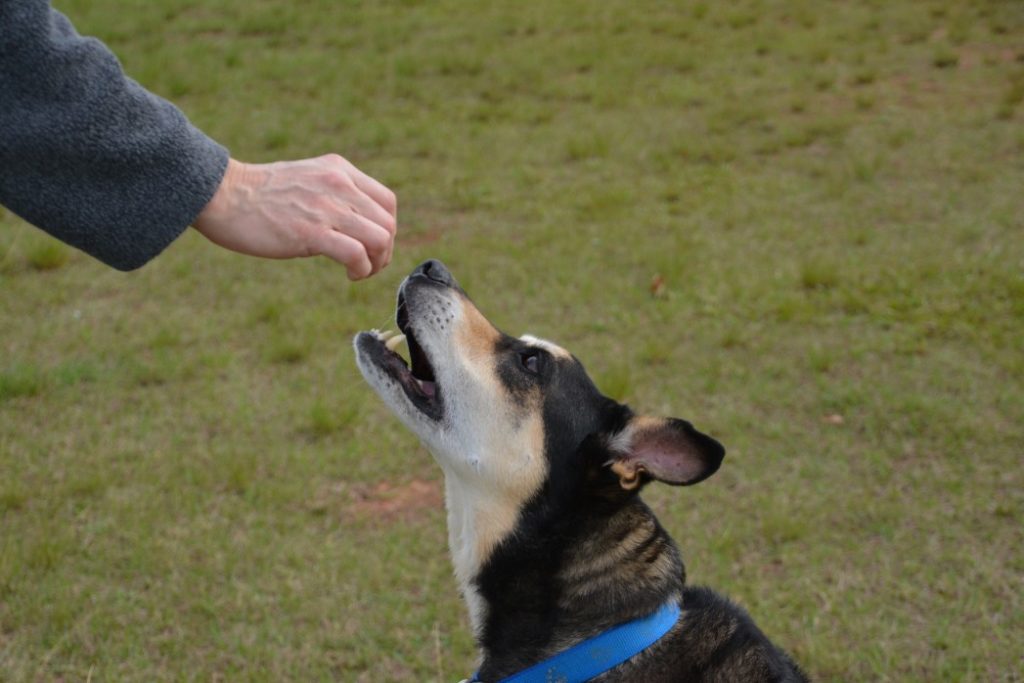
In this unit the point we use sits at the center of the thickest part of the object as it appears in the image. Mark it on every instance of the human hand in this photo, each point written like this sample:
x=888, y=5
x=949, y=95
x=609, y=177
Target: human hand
x=300, y=208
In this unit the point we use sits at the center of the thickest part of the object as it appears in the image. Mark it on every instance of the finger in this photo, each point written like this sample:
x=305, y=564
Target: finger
x=371, y=210
x=376, y=190
x=379, y=195
x=375, y=239
x=345, y=250
x=366, y=207
x=385, y=200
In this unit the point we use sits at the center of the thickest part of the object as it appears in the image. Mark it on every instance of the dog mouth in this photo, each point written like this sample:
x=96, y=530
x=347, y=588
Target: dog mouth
x=419, y=368
x=416, y=376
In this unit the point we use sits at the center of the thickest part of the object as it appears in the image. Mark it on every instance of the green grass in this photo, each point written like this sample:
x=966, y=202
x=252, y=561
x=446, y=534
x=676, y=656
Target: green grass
x=798, y=225
x=48, y=256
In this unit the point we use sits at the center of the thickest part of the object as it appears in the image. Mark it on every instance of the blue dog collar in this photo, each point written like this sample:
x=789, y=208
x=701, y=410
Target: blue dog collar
x=594, y=656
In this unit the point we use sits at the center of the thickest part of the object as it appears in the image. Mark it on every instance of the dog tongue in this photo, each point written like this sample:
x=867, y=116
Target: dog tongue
x=429, y=389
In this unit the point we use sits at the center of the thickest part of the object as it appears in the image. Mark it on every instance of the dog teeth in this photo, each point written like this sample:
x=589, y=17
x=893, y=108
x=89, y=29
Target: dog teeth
x=393, y=342
x=385, y=335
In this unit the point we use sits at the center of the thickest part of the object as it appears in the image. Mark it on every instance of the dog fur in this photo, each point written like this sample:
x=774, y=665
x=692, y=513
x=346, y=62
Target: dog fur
x=550, y=540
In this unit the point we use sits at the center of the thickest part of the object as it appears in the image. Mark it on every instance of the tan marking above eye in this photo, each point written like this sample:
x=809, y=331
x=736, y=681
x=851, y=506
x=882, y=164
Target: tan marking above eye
x=551, y=347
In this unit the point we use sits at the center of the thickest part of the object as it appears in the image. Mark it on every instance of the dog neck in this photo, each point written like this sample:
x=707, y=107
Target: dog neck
x=477, y=522
x=555, y=580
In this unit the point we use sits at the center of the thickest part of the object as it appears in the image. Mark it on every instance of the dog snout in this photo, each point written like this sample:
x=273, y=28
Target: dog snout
x=436, y=271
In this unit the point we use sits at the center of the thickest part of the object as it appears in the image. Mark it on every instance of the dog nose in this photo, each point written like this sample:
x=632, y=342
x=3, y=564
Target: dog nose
x=436, y=271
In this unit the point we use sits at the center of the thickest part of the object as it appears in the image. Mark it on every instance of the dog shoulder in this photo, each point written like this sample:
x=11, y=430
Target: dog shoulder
x=722, y=643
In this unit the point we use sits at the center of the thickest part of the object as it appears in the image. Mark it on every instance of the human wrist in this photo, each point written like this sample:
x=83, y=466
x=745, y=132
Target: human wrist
x=235, y=186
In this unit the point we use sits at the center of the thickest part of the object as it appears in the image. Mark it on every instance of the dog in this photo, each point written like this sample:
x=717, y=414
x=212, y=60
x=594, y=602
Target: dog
x=552, y=546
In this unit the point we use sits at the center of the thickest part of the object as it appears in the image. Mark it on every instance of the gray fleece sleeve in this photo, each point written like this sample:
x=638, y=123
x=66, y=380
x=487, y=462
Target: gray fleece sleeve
x=86, y=153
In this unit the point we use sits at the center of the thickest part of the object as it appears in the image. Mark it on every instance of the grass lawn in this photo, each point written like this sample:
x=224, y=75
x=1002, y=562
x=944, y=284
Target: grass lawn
x=798, y=224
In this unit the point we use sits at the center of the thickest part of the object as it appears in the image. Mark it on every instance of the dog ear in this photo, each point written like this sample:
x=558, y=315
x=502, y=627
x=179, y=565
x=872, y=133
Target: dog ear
x=667, y=449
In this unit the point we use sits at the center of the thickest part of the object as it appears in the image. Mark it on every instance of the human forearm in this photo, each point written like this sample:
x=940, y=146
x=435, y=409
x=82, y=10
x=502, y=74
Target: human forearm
x=86, y=153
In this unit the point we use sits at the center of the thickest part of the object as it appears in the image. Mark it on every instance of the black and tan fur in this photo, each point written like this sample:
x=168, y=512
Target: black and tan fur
x=550, y=540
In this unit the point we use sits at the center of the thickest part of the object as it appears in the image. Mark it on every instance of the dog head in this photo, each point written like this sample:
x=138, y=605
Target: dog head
x=516, y=424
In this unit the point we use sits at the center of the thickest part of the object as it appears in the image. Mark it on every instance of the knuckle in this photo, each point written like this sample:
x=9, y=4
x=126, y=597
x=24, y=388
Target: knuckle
x=338, y=180
x=334, y=159
x=375, y=246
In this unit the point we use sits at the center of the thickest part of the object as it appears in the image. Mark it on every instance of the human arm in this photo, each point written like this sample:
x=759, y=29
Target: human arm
x=85, y=152
x=102, y=164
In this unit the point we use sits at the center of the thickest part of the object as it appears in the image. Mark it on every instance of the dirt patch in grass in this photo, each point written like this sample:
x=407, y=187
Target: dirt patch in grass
x=387, y=502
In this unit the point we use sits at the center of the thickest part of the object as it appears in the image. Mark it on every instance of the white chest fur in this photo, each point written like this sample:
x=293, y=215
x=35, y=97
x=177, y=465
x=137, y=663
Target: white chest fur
x=478, y=520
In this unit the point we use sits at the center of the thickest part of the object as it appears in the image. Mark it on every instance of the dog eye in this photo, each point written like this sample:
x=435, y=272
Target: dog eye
x=530, y=361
